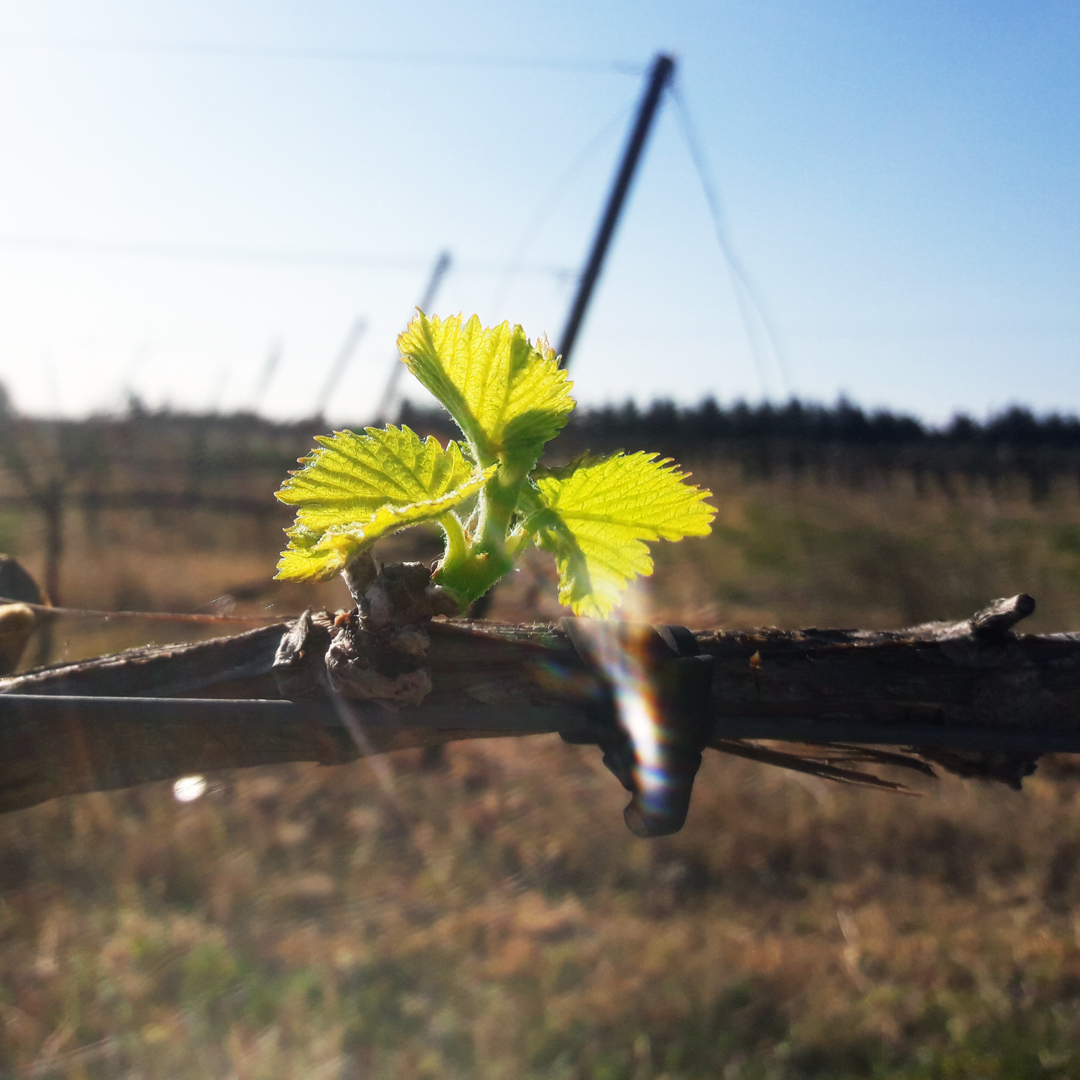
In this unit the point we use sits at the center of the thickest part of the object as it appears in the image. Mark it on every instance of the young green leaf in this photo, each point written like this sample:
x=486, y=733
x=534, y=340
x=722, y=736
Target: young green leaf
x=357, y=488
x=595, y=515
x=508, y=397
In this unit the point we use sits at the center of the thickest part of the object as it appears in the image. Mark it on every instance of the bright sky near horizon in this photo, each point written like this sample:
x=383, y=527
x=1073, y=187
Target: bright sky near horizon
x=187, y=187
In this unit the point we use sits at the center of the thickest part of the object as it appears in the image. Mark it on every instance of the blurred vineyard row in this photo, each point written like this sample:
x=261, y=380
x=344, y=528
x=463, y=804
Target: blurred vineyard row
x=225, y=454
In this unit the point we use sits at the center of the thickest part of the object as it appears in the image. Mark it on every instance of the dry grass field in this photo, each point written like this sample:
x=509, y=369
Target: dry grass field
x=491, y=917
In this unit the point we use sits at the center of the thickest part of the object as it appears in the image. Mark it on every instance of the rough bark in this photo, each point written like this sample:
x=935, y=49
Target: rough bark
x=972, y=696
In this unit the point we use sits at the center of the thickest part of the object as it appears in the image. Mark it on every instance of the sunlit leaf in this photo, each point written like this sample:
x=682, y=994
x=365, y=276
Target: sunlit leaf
x=597, y=514
x=357, y=488
x=507, y=396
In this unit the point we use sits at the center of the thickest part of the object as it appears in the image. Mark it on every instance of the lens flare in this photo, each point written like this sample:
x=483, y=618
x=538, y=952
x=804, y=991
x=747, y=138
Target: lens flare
x=189, y=788
x=620, y=655
x=659, y=688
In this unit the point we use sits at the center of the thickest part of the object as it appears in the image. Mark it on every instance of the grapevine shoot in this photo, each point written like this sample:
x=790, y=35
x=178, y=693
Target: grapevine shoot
x=487, y=493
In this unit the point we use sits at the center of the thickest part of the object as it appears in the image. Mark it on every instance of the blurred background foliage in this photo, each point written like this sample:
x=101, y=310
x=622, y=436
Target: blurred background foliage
x=489, y=915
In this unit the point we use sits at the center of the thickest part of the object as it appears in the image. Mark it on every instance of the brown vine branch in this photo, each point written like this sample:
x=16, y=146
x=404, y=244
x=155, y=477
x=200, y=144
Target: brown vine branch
x=972, y=696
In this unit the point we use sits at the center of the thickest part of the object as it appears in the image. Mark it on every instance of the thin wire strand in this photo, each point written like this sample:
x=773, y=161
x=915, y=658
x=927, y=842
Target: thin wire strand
x=147, y=616
x=344, y=259
x=517, y=62
x=746, y=295
x=515, y=262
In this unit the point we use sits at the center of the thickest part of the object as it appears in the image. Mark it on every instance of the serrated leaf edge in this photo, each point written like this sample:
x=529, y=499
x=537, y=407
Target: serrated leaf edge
x=598, y=602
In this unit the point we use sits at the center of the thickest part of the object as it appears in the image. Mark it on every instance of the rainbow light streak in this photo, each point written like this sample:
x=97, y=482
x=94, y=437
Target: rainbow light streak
x=639, y=715
x=552, y=677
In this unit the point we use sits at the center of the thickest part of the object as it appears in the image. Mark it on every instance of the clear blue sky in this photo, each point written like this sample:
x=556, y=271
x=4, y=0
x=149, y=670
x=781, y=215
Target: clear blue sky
x=900, y=180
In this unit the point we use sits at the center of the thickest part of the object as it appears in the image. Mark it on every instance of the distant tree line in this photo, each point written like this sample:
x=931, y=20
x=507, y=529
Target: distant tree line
x=215, y=452
x=843, y=422
x=841, y=441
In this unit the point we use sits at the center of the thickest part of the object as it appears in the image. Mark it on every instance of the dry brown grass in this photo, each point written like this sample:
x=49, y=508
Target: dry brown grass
x=493, y=917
